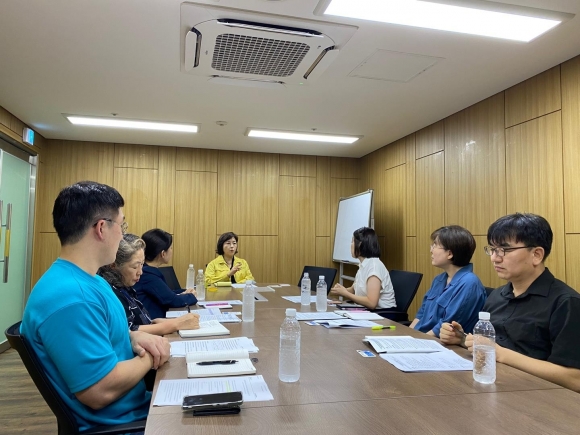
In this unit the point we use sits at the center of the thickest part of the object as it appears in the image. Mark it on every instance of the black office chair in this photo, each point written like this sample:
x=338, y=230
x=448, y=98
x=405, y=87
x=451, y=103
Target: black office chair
x=488, y=290
x=170, y=278
x=405, y=285
x=66, y=421
x=314, y=272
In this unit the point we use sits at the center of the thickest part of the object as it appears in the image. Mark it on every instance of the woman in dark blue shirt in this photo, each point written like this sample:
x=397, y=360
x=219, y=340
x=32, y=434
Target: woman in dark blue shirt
x=152, y=289
x=457, y=293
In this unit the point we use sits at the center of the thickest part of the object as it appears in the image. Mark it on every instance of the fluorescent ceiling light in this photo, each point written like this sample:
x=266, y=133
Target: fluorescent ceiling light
x=128, y=123
x=310, y=137
x=477, y=17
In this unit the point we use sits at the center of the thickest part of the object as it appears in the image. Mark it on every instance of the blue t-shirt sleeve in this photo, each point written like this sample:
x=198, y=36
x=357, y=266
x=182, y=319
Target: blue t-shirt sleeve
x=467, y=300
x=76, y=340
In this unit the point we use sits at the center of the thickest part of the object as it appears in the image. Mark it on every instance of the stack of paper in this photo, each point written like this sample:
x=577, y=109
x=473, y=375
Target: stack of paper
x=346, y=323
x=403, y=344
x=196, y=368
x=230, y=302
x=181, y=348
x=318, y=316
x=297, y=300
x=212, y=327
x=214, y=311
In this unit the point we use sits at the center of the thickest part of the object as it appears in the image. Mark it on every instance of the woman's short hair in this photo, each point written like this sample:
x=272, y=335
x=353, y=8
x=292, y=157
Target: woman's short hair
x=530, y=229
x=129, y=245
x=156, y=241
x=223, y=239
x=366, y=243
x=457, y=240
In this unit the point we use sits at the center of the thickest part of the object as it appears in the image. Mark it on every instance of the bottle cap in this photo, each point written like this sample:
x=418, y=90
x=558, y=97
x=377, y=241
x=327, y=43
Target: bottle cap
x=191, y=266
x=321, y=277
x=290, y=312
x=483, y=315
x=306, y=275
x=200, y=270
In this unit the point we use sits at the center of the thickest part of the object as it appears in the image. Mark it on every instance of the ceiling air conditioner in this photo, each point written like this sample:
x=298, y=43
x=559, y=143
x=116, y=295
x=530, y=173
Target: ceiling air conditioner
x=253, y=49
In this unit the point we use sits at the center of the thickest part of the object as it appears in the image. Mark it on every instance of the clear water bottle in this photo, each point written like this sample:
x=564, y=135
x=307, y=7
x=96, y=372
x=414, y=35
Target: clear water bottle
x=200, y=287
x=484, y=350
x=305, y=290
x=289, y=368
x=248, y=302
x=321, y=294
x=190, y=282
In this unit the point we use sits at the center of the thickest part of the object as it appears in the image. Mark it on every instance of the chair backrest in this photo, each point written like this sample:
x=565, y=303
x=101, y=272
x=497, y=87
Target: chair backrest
x=314, y=272
x=67, y=423
x=405, y=285
x=488, y=290
x=169, y=274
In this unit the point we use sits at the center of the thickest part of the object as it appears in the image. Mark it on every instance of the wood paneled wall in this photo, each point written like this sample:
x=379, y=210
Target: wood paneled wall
x=518, y=150
x=283, y=207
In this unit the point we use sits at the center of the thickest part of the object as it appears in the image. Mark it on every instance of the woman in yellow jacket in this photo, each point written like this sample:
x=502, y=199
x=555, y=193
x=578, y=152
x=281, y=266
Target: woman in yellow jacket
x=227, y=267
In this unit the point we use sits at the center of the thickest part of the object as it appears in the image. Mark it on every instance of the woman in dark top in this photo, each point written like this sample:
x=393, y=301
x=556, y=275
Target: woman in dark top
x=123, y=274
x=152, y=289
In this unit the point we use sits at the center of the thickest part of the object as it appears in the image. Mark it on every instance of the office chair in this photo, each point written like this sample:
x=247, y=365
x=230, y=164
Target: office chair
x=488, y=290
x=170, y=278
x=66, y=421
x=405, y=285
x=314, y=272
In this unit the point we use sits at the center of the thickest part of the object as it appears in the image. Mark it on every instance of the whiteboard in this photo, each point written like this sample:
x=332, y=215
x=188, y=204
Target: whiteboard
x=354, y=212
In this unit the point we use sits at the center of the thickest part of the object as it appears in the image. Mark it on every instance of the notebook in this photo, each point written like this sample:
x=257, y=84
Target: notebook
x=211, y=327
x=362, y=315
x=403, y=344
x=242, y=366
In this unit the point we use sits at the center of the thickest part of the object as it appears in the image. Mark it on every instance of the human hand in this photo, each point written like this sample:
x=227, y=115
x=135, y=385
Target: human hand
x=189, y=290
x=339, y=290
x=333, y=302
x=188, y=321
x=449, y=334
x=235, y=269
x=469, y=342
x=157, y=347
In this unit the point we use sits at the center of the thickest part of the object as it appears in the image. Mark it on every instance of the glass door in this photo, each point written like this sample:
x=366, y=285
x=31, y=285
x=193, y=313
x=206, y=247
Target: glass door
x=15, y=234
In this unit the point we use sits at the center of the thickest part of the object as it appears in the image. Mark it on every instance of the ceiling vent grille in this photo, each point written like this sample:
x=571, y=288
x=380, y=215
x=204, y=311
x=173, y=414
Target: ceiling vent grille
x=239, y=45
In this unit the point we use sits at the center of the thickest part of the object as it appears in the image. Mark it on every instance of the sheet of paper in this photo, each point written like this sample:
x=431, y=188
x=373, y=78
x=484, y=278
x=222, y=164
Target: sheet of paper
x=232, y=302
x=275, y=285
x=222, y=318
x=346, y=323
x=238, y=285
x=318, y=316
x=284, y=285
x=403, y=344
x=180, y=348
x=296, y=299
x=447, y=361
x=202, y=312
x=267, y=289
x=171, y=392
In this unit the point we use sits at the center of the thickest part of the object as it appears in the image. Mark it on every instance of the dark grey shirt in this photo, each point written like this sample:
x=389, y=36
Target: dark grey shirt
x=542, y=323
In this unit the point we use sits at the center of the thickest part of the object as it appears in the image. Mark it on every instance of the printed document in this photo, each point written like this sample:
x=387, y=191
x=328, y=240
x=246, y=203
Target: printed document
x=181, y=348
x=318, y=316
x=447, y=361
x=403, y=344
x=296, y=299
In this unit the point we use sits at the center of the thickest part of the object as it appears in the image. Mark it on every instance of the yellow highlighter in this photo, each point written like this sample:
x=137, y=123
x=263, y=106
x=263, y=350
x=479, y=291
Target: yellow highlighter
x=379, y=327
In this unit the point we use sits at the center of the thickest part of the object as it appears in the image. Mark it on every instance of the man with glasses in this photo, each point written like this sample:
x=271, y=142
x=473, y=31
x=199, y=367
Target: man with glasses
x=76, y=324
x=536, y=316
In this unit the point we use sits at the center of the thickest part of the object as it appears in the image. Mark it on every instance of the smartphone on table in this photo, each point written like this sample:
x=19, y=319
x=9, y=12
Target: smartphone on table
x=205, y=402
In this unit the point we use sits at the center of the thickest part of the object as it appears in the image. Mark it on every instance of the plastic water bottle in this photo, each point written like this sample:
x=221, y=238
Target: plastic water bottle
x=321, y=294
x=289, y=368
x=248, y=302
x=200, y=287
x=305, y=290
x=190, y=282
x=484, y=350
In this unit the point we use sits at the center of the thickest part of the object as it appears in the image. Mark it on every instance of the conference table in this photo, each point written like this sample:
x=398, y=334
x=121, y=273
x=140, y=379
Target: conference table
x=341, y=392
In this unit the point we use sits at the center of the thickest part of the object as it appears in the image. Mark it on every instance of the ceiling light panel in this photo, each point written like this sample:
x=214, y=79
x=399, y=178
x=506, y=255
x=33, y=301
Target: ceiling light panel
x=131, y=124
x=308, y=137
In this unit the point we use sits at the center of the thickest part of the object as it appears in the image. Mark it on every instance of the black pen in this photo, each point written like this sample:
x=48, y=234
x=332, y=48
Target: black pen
x=188, y=309
x=211, y=363
x=455, y=329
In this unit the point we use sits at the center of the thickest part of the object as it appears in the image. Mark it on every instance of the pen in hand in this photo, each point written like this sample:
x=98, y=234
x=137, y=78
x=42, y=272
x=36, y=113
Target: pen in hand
x=458, y=330
x=212, y=363
x=188, y=309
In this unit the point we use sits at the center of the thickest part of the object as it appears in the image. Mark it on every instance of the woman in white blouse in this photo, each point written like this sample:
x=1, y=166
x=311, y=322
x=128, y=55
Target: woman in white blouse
x=372, y=285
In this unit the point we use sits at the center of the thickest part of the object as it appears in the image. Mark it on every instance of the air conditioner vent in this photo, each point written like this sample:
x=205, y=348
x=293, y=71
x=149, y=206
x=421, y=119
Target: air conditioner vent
x=260, y=56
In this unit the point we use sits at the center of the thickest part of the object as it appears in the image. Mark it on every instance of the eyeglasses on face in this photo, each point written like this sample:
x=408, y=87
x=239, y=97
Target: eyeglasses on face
x=501, y=251
x=435, y=245
x=124, y=225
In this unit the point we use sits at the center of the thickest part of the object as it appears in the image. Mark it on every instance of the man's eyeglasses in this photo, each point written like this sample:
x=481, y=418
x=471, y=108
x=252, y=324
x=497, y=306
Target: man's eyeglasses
x=124, y=226
x=500, y=252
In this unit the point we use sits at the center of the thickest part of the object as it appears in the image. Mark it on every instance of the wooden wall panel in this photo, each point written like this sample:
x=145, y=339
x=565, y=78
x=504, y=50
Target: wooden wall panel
x=67, y=162
x=482, y=265
x=139, y=189
x=378, y=182
x=46, y=249
x=474, y=162
x=297, y=166
x=136, y=156
x=571, y=142
x=410, y=206
x=323, y=216
x=195, y=227
x=200, y=160
x=166, y=189
x=572, y=261
x=430, y=191
x=534, y=178
x=343, y=167
x=296, y=236
x=411, y=266
x=395, y=193
x=247, y=193
x=535, y=97
x=395, y=154
x=261, y=253
x=5, y=117
x=430, y=140
x=16, y=125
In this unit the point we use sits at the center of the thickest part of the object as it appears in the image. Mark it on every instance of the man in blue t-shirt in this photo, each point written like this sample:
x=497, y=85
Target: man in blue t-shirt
x=75, y=323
